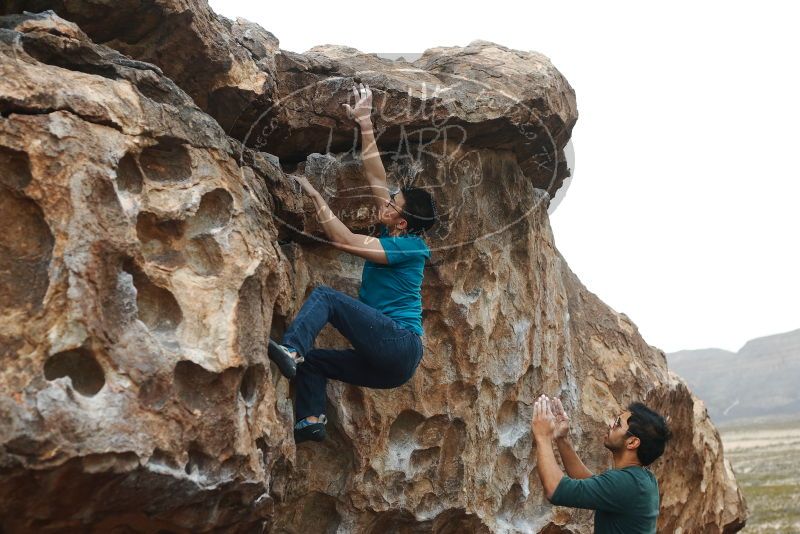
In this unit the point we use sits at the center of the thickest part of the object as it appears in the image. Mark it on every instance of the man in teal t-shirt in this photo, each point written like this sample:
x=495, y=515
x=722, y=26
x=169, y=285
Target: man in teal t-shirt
x=384, y=325
x=625, y=498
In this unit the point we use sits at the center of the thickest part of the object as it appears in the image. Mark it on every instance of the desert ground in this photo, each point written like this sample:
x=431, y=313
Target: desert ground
x=765, y=454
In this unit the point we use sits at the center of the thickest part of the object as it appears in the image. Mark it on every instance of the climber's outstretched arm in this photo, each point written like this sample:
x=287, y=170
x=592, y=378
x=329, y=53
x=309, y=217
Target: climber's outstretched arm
x=340, y=236
x=573, y=465
x=373, y=166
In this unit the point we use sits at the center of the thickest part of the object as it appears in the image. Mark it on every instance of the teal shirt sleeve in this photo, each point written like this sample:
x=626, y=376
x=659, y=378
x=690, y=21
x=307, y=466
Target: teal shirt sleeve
x=402, y=249
x=607, y=492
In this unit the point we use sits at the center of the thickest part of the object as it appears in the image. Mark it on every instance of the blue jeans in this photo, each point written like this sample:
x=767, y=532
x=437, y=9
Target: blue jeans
x=384, y=354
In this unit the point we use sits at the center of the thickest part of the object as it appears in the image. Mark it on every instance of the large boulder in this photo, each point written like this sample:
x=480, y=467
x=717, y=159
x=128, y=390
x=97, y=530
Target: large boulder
x=148, y=256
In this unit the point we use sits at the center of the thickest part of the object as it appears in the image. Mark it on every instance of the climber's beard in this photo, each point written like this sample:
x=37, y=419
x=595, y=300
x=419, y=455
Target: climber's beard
x=612, y=444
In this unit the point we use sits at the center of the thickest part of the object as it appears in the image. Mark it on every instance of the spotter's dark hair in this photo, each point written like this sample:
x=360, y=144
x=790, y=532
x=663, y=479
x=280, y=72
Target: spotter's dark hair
x=651, y=429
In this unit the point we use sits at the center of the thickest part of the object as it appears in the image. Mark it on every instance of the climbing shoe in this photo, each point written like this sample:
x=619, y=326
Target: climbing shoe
x=304, y=430
x=283, y=359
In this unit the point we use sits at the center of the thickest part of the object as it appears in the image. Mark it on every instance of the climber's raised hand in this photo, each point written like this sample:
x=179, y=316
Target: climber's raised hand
x=305, y=185
x=561, y=417
x=363, y=106
x=543, y=423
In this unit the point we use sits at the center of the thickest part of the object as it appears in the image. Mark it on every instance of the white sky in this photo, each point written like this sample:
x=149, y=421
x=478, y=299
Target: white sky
x=684, y=209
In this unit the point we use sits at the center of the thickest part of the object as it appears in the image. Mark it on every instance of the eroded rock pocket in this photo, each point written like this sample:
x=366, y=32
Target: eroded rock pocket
x=252, y=380
x=157, y=308
x=215, y=211
x=204, y=255
x=80, y=366
x=204, y=390
x=161, y=239
x=26, y=246
x=129, y=175
x=167, y=161
x=16, y=168
x=173, y=243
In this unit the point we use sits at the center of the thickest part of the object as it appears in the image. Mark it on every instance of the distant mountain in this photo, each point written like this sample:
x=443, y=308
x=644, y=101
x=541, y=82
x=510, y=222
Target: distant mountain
x=763, y=378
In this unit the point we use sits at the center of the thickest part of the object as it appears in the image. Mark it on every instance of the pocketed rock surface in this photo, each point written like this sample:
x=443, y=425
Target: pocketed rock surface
x=149, y=250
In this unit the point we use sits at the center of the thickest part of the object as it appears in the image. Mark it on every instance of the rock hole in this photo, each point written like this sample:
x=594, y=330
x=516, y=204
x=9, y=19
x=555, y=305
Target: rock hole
x=200, y=462
x=80, y=366
x=129, y=176
x=201, y=389
x=156, y=306
x=261, y=444
x=167, y=161
x=402, y=442
x=26, y=246
x=402, y=429
x=252, y=379
x=161, y=240
x=423, y=460
x=15, y=168
x=214, y=212
x=204, y=256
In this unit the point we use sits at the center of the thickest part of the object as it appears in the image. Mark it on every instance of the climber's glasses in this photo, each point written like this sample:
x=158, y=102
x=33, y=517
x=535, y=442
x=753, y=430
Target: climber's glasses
x=618, y=424
x=391, y=202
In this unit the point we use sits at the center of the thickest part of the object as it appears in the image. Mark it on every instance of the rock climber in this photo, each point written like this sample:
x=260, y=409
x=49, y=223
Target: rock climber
x=625, y=498
x=384, y=325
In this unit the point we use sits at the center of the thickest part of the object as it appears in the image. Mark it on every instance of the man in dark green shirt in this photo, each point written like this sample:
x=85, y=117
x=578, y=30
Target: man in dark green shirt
x=625, y=498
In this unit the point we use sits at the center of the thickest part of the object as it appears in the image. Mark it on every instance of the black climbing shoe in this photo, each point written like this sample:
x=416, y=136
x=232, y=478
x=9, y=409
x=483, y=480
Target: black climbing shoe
x=283, y=359
x=310, y=431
